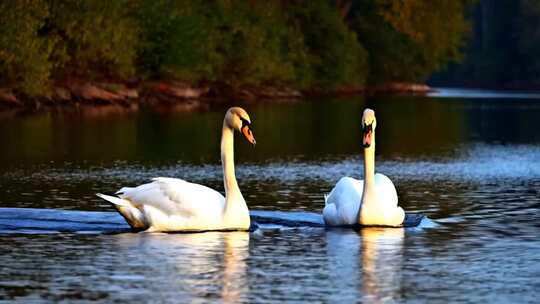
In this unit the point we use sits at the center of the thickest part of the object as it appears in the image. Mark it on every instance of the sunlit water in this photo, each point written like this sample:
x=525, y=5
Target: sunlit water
x=472, y=165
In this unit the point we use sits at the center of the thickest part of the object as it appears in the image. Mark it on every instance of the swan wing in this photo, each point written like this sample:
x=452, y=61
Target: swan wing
x=343, y=202
x=176, y=197
x=388, y=212
x=386, y=191
x=330, y=215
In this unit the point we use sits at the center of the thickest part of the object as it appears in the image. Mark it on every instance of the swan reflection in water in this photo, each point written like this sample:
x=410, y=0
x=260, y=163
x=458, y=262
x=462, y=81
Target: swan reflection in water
x=367, y=264
x=209, y=266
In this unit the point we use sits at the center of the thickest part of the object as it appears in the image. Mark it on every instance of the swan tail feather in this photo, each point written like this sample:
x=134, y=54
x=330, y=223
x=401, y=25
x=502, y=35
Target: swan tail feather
x=114, y=200
x=133, y=216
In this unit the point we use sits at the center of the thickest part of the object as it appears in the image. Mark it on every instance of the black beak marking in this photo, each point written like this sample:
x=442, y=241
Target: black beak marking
x=368, y=128
x=245, y=123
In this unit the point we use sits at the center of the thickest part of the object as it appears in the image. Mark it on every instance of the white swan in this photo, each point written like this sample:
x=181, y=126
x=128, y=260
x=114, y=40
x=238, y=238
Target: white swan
x=171, y=204
x=372, y=201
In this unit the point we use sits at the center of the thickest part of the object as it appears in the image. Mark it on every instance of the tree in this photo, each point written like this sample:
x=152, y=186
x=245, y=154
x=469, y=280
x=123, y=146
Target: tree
x=409, y=40
x=24, y=53
x=93, y=38
x=334, y=54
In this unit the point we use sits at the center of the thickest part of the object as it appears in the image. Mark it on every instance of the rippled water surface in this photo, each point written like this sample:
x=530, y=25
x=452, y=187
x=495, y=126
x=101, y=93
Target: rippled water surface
x=471, y=163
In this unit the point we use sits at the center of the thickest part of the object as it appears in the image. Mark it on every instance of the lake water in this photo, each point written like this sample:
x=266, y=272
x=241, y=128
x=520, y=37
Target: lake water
x=469, y=160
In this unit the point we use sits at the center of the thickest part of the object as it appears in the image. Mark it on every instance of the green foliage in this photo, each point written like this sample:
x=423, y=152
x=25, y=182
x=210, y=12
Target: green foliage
x=334, y=54
x=238, y=43
x=232, y=42
x=257, y=44
x=93, y=37
x=176, y=39
x=62, y=38
x=24, y=54
x=409, y=40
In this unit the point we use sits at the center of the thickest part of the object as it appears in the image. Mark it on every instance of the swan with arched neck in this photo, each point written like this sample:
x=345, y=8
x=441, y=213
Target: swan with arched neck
x=172, y=204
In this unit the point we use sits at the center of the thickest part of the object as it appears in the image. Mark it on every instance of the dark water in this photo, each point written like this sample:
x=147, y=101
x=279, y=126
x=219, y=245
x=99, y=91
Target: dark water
x=471, y=163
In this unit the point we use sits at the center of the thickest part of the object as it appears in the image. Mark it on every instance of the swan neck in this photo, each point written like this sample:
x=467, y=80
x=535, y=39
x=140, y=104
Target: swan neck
x=369, y=192
x=235, y=212
x=369, y=164
x=227, y=161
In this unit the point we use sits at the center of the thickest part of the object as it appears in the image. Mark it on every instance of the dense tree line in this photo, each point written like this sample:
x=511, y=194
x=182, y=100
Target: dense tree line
x=298, y=43
x=504, y=48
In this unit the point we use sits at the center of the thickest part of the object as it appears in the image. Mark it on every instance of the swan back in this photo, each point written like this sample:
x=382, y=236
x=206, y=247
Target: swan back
x=171, y=204
x=173, y=196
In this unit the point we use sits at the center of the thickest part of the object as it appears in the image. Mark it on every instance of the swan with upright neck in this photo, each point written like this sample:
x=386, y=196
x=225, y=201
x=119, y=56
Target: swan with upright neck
x=172, y=204
x=369, y=202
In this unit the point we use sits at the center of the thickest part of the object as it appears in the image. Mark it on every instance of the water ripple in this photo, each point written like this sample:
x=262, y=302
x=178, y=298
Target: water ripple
x=481, y=164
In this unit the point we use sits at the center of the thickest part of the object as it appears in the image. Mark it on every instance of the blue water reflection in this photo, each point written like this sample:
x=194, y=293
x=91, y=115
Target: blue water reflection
x=472, y=165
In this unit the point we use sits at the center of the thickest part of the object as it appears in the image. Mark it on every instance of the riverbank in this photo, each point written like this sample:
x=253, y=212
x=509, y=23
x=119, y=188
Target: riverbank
x=179, y=94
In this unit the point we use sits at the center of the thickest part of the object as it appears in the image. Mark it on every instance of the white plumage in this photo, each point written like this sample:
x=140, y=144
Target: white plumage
x=372, y=201
x=343, y=203
x=172, y=204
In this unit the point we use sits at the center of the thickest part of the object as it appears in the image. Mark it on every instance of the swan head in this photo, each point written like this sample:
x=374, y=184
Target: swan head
x=238, y=119
x=369, y=123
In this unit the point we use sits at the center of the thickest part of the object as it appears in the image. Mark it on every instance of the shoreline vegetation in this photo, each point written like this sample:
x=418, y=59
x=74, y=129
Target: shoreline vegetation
x=174, y=93
x=130, y=52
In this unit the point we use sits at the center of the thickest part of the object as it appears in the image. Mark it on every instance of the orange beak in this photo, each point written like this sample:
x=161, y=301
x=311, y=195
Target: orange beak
x=246, y=131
